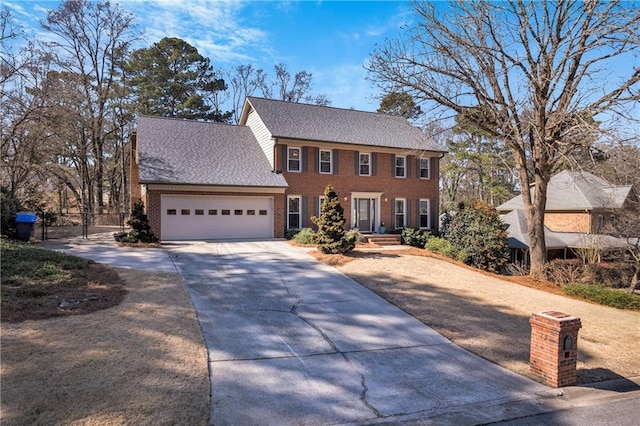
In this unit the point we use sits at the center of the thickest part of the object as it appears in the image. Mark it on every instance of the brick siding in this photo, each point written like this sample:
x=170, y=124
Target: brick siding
x=310, y=184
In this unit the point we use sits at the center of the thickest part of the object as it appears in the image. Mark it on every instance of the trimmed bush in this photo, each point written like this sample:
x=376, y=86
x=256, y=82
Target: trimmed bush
x=354, y=235
x=480, y=236
x=603, y=295
x=442, y=246
x=290, y=233
x=415, y=237
x=305, y=236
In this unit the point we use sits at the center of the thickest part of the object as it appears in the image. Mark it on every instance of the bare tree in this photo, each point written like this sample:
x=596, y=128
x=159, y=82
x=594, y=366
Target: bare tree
x=20, y=135
x=535, y=74
x=92, y=38
x=245, y=81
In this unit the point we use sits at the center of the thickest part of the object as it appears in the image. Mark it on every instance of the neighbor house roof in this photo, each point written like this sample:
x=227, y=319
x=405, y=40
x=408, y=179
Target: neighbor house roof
x=518, y=238
x=575, y=190
x=327, y=124
x=201, y=153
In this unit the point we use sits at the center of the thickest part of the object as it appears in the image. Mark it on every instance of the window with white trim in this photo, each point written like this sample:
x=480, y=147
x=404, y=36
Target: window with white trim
x=293, y=159
x=293, y=212
x=400, y=166
x=399, y=211
x=424, y=209
x=325, y=165
x=364, y=164
x=320, y=201
x=424, y=168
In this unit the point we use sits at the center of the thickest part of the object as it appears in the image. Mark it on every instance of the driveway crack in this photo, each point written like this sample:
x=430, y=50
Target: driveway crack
x=363, y=380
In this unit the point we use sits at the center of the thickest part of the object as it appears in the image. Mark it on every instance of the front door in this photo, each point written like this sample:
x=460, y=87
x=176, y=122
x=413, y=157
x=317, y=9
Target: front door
x=364, y=214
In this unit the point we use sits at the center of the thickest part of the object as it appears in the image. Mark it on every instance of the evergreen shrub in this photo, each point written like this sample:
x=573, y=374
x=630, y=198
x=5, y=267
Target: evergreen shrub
x=480, y=236
x=331, y=236
x=139, y=223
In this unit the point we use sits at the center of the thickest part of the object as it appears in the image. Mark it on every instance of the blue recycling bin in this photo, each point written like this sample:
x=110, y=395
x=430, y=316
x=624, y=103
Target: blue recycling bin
x=25, y=225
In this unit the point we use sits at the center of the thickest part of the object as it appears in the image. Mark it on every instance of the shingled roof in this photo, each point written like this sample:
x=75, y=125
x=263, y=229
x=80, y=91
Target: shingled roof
x=327, y=124
x=518, y=238
x=575, y=190
x=200, y=153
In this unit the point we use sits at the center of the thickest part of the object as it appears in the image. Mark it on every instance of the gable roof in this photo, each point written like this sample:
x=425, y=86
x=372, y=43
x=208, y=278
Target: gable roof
x=328, y=124
x=201, y=153
x=574, y=190
x=518, y=236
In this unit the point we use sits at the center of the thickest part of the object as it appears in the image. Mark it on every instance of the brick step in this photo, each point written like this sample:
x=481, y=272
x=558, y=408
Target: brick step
x=383, y=240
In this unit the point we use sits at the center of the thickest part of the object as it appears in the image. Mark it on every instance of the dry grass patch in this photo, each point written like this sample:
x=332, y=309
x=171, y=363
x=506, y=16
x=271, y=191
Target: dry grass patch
x=489, y=314
x=333, y=259
x=141, y=362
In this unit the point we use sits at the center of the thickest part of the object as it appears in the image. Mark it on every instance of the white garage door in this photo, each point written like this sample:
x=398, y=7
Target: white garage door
x=209, y=217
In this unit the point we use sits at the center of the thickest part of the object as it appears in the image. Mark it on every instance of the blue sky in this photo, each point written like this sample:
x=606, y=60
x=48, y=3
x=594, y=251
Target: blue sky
x=330, y=39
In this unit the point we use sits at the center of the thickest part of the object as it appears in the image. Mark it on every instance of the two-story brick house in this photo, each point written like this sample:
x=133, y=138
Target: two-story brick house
x=209, y=180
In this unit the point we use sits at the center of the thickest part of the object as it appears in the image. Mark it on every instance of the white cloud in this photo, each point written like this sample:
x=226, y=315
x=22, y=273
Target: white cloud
x=216, y=29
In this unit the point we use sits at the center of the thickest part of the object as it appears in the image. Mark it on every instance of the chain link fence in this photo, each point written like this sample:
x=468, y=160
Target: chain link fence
x=73, y=225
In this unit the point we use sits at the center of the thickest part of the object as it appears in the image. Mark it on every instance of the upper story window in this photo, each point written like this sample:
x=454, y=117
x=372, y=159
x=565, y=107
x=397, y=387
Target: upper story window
x=325, y=165
x=293, y=159
x=365, y=164
x=400, y=166
x=424, y=168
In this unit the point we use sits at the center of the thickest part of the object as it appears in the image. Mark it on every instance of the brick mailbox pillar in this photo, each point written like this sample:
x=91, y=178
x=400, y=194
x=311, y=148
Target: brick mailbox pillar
x=554, y=347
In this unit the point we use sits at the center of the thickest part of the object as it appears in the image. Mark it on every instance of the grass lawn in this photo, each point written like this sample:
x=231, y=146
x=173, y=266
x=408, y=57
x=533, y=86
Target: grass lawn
x=39, y=283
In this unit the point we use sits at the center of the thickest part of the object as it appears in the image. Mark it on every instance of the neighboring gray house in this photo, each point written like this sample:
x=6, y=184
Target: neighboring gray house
x=580, y=209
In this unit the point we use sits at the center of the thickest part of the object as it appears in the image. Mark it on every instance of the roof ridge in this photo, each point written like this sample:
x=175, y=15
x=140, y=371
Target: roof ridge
x=325, y=106
x=188, y=120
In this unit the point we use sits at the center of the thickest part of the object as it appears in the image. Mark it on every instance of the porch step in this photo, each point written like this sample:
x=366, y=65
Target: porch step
x=383, y=239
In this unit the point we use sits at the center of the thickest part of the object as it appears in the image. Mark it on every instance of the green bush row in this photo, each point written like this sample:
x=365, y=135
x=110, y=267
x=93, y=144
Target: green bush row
x=603, y=295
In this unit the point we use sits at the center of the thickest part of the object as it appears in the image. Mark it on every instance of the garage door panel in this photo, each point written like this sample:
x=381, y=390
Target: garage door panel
x=205, y=218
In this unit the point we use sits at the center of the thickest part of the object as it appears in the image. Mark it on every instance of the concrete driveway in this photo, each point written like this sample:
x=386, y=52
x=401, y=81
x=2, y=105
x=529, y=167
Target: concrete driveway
x=293, y=341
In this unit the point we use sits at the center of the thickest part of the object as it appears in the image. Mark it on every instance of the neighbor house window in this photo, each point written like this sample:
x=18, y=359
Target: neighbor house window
x=424, y=207
x=185, y=212
x=171, y=212
x=293, y=212
x=213, y=212
x=365, y=164
x=199, y=212
x=293, y=159
x=424, y=168
x=400, y=213
x=262, y=213
x=400, y=166
x=325, y=161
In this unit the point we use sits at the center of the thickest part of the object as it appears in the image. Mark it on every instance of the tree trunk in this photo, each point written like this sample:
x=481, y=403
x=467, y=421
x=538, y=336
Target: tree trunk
x=634, y=279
